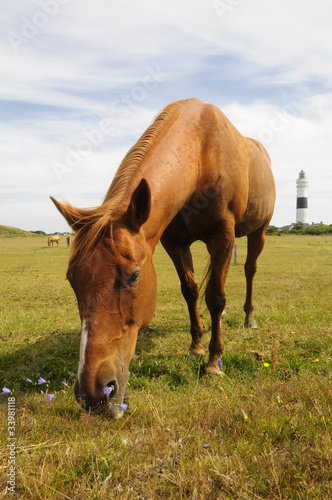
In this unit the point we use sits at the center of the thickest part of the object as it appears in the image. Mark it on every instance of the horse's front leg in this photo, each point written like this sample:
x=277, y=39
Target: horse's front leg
x=220, y=247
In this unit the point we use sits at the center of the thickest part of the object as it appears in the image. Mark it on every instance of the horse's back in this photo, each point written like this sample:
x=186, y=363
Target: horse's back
x=234, y=180
x=242, y=169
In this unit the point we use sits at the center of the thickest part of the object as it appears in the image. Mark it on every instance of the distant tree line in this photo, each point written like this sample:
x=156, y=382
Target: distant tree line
x=299, y=228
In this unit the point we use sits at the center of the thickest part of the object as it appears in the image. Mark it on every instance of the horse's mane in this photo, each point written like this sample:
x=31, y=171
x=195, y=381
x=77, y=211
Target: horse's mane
x=95, y=223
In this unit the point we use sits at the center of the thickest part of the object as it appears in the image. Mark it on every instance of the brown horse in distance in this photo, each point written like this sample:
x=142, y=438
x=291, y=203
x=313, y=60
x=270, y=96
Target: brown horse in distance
x=191, y=176
x=54, y=238
x=68, y=240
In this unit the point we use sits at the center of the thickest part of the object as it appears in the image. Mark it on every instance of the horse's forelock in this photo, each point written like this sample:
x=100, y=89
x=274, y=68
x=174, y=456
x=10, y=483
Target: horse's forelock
x=92, y=229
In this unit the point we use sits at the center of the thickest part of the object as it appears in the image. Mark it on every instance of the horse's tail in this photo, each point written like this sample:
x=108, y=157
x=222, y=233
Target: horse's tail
x=207, y=274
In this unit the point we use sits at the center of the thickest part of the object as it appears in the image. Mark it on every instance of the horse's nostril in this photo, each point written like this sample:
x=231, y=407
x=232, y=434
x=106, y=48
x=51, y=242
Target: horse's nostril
x=112, y=385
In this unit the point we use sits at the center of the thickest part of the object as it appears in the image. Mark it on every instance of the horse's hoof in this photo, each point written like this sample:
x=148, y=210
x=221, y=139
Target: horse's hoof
x=197, y=351
x=215, y=370
x=250, y=324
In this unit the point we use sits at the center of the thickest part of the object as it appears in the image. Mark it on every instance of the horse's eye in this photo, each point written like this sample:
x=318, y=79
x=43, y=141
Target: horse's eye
x=133, y=278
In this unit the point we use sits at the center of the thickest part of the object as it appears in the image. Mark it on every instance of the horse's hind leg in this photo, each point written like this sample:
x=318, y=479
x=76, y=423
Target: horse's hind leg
x=220, y=247
x=255, y=246
x=182, y=259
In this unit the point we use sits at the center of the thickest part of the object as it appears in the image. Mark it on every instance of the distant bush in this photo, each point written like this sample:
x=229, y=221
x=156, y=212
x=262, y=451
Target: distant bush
x=272, y=230
x=39, y=232
x=299, y=228
x=320, y=229
x=314, y=230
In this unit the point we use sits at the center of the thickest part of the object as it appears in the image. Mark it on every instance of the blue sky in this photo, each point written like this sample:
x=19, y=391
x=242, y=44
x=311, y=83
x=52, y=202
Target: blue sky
x=80, y=82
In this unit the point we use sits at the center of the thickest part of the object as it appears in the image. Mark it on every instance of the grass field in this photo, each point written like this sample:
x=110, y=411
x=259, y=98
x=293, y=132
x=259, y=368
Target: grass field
x=267, y=421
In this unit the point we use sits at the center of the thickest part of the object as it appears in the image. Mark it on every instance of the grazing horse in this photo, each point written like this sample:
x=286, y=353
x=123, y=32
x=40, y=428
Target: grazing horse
x=54, y=238
x=191, y=176
x=68, y=240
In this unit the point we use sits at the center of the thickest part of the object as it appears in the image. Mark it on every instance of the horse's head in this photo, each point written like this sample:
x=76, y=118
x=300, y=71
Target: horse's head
x=115, y=285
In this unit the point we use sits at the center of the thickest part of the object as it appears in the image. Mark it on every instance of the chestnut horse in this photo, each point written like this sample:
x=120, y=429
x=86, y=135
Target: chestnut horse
x=191, y=176
x=54, y=238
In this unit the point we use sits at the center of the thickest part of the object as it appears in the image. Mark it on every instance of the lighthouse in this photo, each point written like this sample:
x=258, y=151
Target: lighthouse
x=302, y=198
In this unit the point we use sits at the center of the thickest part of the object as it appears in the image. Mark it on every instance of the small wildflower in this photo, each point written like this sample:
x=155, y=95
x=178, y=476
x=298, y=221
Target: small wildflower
x=316, y=360
x=266, y=365
x=49, y=397
x=64, y=383
x=220, y=364
x=124, y=406
x=292, y=332
x=278, y=399
x=108, y=390
x=5, y=390
x=28, y=380
x=41, y=380
x=244, y=414
x=206, y=445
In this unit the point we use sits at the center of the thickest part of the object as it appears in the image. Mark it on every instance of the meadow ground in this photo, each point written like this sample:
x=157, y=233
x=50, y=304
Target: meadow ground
x=267, y=421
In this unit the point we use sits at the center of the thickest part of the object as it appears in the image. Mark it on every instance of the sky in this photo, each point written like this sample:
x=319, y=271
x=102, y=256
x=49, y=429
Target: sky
x=81, y=81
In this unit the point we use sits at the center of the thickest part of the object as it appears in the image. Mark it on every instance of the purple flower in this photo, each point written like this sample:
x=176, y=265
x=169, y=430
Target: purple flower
x=123, y=406
x=28, y=380
x=108, y=390
x=64, y=383
x=220, y=364
x=41, y=380
x=206, y=445
x=49, y=397
x=5, y=390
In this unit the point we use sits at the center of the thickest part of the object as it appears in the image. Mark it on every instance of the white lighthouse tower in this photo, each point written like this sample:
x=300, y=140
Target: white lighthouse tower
x=302, y=198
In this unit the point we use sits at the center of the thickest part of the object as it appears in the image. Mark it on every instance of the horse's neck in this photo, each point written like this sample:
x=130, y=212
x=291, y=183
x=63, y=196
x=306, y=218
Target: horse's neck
x=172, y=185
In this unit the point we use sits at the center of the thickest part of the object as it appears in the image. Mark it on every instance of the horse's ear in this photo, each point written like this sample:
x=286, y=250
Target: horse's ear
x=140, y=204
x=71, y=214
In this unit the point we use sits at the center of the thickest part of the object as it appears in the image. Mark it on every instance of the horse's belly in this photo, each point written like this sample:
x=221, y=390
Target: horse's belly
x=191, y=224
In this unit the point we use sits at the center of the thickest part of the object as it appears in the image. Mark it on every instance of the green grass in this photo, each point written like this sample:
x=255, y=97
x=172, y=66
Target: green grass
x=269, y=427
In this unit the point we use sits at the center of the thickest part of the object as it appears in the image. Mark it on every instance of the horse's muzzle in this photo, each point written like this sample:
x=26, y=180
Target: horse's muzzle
x=98, y=402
